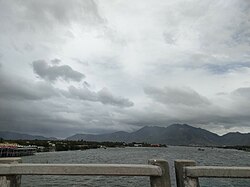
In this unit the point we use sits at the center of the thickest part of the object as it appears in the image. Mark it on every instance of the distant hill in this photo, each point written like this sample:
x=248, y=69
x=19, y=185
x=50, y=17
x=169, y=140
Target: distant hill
x=18, y=136
x=236, y=138
x=119, y=136
x=176, y=134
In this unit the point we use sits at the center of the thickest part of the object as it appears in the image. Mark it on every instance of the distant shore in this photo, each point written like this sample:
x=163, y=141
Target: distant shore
x=69, y=145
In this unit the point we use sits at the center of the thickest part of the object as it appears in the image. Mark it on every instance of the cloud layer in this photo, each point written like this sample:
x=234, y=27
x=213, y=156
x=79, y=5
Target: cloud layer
x=106, y=65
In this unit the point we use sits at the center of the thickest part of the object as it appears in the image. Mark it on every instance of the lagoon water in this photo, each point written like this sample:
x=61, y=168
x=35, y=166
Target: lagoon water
x=216, y=157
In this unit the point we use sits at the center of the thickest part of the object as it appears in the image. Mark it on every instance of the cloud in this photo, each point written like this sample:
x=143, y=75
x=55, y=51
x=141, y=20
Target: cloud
x=29, y=116
x=80, y=61
x=242, y=92
x=176, y=96
x=86, y=84
x=226, y=68
x=46, y=13
x=54, y=72
x=240, y=102
x=104, y=96
x=18, y=88
x=83, y=94
x=55, y=61
x=55, y=118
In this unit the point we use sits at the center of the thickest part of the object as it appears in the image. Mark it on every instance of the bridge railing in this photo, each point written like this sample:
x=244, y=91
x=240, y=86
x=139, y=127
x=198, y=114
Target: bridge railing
x=11, y=171
x=188, y=174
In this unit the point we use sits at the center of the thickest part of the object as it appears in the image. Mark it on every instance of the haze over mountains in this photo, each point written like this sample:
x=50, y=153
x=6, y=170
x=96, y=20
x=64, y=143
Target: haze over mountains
x=176, y=134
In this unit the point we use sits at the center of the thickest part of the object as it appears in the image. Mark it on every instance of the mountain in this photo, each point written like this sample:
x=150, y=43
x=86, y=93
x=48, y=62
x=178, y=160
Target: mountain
x=18, y=136
x=119, y=136
x=187, y=135
x=176, y=134
x=236, y=138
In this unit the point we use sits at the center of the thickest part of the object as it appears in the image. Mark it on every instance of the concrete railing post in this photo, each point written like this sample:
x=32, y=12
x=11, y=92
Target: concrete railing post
x=3, y=181
x=191, y=182
x=181, y=179
x=164, y=179
x=10, y=180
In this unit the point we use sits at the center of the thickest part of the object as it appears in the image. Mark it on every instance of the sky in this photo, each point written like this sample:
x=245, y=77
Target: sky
x=100, y=66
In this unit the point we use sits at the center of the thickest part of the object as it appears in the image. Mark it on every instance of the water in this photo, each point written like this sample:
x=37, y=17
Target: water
x=215, y=157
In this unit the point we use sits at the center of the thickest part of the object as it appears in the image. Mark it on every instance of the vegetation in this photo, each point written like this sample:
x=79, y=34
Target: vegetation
x=65, y=145
x=238, y=147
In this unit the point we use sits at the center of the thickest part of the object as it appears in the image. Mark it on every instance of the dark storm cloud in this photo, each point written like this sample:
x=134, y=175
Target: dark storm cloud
x=53, y=72
x=54, y=118
x=176, y=96
x=10, y=88
x=104, y=96
x=35, y=118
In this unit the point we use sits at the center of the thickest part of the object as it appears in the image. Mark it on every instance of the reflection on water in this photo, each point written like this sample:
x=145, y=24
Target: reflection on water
x=216, y=157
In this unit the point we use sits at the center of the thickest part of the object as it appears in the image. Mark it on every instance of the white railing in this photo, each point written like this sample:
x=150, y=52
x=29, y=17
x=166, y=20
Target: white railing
x=157, y=170
x=187, y=174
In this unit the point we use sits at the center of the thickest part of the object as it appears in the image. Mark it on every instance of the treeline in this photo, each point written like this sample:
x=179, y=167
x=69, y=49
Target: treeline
x=238, y=147
x=64, y=145
x=84, y=145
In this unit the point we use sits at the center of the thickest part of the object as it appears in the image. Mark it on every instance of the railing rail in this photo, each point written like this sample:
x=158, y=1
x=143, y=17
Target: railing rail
x=188, y=174
x=157, y=170
x=218, y=172
x=80, y=169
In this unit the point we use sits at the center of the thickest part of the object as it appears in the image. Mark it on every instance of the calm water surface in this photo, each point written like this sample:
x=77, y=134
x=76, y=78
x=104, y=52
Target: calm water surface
x=216, y=157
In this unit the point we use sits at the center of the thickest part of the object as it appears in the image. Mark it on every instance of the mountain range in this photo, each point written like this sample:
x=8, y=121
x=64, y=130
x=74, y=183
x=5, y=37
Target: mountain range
x=176, y=134
x=6, y=135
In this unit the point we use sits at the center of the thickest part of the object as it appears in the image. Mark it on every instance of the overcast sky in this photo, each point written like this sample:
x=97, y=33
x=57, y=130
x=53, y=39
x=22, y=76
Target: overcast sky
x=89, y=66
